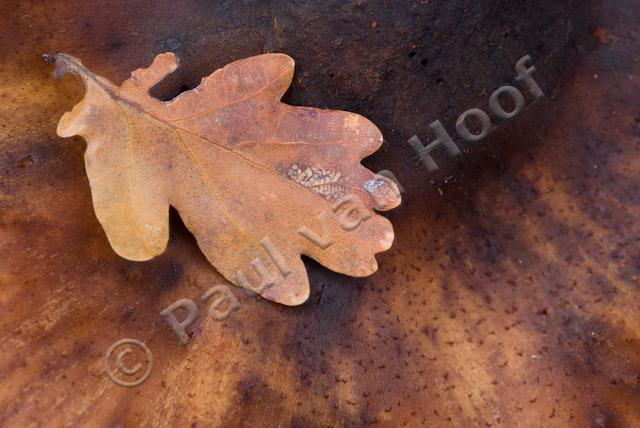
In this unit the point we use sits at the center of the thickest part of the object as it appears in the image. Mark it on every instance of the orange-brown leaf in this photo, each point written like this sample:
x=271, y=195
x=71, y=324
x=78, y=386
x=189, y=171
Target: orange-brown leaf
x=258, y=182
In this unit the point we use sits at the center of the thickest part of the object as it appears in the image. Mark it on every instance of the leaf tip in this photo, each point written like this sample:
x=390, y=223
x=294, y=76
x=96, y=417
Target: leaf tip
x=290, y=299
x=387, y=240
x=293, y=291
x=283, y=62
x=384, y=192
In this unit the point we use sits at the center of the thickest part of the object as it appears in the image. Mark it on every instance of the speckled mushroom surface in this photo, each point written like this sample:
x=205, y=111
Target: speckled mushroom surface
x=511, y=295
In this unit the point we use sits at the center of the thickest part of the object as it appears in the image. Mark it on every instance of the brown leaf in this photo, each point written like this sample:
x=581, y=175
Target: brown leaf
x=258, y=182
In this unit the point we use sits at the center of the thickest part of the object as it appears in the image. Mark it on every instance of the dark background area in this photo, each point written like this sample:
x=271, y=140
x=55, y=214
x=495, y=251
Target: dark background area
x=510, y=297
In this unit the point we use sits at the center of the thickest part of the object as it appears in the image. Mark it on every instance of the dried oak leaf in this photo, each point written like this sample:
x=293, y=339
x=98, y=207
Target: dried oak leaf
x=258, y=182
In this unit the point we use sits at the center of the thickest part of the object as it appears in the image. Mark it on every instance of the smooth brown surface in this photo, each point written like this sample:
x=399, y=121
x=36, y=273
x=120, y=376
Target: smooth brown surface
x=510, y=297
x=239, y=166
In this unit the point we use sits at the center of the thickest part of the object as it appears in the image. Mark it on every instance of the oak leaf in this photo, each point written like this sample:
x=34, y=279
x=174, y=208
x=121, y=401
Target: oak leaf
x=258, y=182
